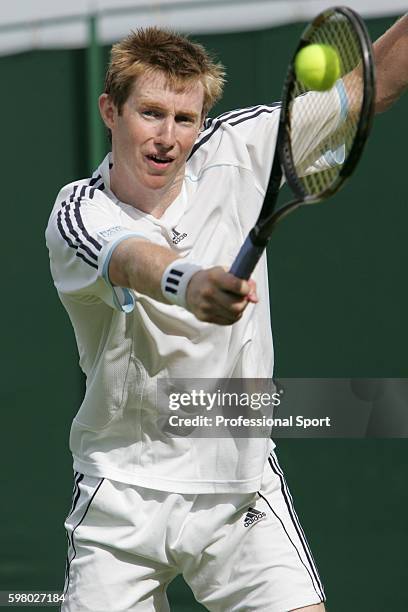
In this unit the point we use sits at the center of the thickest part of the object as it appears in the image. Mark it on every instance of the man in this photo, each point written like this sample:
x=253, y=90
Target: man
x=139, y=255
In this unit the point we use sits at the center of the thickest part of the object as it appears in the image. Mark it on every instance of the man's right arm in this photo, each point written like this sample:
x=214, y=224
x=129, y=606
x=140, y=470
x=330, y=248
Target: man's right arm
x=213, y=295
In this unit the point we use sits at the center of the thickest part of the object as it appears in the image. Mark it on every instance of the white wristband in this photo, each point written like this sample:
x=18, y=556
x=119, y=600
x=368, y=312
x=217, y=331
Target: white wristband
x=175, y=280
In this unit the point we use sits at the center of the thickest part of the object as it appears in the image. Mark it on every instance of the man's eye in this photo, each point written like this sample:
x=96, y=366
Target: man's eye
x=184, y=119
x=151, y=113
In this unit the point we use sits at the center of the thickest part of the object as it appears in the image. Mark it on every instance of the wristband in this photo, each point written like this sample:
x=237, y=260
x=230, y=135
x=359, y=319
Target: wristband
x=175, y=279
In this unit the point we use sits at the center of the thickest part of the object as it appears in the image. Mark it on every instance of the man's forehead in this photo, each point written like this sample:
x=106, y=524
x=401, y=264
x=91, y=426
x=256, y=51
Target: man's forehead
x=157, y=85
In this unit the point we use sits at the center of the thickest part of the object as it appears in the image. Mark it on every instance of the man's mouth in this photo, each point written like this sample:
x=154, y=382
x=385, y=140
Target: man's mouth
x=160, y=160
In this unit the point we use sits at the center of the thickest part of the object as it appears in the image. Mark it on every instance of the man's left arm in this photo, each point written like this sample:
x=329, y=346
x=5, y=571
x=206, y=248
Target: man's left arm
x=391, y=61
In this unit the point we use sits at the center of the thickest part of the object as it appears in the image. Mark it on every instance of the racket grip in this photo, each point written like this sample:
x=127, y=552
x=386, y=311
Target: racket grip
x=246, y=260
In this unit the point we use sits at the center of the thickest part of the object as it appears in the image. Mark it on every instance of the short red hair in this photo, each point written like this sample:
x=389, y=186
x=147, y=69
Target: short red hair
x=155, y=50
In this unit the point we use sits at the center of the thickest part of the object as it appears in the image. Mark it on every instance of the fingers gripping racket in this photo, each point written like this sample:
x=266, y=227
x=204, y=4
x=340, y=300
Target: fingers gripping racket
x=321, y=135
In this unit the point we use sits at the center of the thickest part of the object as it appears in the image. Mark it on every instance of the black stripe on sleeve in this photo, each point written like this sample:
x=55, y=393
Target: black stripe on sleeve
x=71, y=207
x=74, y=233
x=228, y=117
x=216, y=124
x=256, y=114
x=77, y=213
x=71, y=197
x=94, y=179
x=81, y=256
x=70, y=243
x=91, y=190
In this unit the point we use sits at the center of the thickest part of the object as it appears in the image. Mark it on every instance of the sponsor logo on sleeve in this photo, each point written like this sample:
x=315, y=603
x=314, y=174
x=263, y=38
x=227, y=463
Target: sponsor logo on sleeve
x=110, y=231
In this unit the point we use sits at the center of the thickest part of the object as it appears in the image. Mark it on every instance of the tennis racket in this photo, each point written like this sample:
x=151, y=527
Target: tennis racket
x=321, y=135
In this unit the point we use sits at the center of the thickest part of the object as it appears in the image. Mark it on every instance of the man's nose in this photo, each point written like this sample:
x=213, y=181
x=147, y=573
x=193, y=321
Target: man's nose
x=166, y=135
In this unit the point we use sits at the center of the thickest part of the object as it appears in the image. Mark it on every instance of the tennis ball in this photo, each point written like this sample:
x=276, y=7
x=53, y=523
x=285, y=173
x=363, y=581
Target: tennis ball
x=317, y=67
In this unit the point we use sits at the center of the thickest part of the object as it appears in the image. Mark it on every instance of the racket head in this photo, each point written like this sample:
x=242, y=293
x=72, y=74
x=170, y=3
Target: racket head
x=338, y=154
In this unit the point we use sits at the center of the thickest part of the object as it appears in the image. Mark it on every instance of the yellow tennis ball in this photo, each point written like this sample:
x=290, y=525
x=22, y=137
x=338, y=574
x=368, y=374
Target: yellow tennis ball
x=317, y=66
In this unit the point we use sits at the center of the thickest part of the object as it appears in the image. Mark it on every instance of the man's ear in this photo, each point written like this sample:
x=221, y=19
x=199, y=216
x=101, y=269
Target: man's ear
x=107, y=110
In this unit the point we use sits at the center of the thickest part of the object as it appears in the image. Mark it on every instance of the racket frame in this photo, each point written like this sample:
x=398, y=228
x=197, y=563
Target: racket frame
x=366, y=113
x=283, y=163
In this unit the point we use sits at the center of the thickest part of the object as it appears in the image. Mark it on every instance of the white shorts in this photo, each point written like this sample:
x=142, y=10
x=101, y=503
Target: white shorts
x=238, y=552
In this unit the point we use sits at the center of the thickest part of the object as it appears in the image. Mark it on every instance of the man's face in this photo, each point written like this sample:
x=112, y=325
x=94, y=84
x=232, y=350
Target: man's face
x=156, y=130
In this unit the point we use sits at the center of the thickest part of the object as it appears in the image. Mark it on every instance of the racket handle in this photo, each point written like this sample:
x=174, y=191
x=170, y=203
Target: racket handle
x=246, y=260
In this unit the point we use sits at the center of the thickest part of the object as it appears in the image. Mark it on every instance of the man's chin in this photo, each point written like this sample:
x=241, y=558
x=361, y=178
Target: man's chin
x=162, y=181
x=158, y=182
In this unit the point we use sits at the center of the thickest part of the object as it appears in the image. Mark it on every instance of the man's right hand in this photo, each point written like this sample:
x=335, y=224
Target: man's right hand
x=216, y=296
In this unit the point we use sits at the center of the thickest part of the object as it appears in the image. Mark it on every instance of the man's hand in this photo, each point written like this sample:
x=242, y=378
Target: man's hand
x=216, y=296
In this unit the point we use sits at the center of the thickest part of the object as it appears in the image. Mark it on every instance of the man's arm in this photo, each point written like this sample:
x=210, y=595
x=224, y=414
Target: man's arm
x=213, y=295
x=391, y=61
x=391, y=64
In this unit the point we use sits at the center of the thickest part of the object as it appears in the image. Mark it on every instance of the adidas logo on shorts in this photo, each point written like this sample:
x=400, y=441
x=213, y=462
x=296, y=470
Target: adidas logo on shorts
x=252, y=516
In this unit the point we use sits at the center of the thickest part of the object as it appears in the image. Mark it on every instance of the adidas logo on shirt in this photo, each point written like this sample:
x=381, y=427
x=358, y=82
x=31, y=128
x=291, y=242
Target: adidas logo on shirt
x=177, y=236
x=252, y=516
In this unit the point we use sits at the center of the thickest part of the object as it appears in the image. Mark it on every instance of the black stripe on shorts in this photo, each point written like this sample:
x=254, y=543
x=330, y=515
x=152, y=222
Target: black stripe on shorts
x=313, y=573
x=69, y=561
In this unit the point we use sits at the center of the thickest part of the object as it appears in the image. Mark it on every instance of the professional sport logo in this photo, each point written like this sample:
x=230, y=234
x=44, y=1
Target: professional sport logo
x=177, y=236
x=253, y=516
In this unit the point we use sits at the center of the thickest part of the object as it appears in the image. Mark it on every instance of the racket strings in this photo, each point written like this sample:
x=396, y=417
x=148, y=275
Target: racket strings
x=319, y=153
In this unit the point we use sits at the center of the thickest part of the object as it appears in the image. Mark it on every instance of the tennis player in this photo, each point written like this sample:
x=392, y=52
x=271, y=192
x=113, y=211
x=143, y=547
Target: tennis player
x=139, y=255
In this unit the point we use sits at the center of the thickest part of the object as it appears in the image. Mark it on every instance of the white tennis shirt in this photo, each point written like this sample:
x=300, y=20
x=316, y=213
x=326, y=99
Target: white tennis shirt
x=126, y=340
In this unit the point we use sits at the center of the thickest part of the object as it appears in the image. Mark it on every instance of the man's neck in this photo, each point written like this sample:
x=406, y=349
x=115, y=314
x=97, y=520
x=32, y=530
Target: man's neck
x=152, y=201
